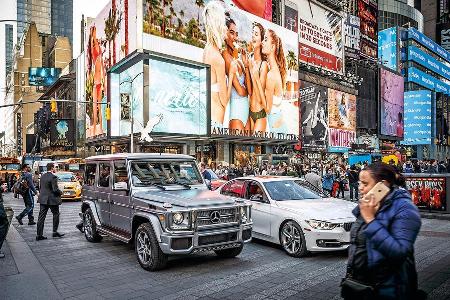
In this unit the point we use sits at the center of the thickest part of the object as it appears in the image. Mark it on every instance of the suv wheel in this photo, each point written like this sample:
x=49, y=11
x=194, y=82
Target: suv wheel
x=292, y=239
x=229, y=253
x=90, y=227
x=148, y=252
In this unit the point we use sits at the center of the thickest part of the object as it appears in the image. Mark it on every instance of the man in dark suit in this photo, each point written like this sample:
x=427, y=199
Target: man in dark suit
x=49, y=198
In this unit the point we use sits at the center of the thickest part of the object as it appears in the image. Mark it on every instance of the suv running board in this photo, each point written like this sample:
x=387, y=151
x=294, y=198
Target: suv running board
x=114, y=233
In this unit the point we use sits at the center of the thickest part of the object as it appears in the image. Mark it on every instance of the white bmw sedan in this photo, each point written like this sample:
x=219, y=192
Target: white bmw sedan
x=287, y=211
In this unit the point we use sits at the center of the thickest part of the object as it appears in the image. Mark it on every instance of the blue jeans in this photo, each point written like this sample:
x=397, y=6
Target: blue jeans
x=28, y=200
x=353, y=187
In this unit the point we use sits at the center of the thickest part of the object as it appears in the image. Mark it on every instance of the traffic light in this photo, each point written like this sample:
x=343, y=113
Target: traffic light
x=53, y=106
x=108, y=112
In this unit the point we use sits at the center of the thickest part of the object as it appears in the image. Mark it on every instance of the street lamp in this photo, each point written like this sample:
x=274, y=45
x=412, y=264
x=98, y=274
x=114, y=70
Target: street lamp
x=131, y=110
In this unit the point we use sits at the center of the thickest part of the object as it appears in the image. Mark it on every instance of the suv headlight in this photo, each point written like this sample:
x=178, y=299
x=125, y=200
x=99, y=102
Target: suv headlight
x=245, y=214
x=180, y=221
x=322, y=225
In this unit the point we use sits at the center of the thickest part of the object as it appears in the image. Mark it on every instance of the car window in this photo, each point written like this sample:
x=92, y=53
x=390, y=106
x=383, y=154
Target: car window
x=90, y=174
x=235, y=188
x=254, y=189
x=289, y=190
x=104, y=173
x=120, y=172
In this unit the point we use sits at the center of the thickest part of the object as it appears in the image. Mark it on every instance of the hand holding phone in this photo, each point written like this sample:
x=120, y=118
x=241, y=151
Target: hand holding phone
x=370, y=203
x=378, y=192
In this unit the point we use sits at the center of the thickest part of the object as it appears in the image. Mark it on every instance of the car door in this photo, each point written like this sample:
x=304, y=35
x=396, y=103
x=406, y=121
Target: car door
x=120, y=200
x=261, y=209
x=104, y=192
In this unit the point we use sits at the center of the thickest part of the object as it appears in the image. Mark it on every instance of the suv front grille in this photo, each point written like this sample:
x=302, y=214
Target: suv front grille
x=348, y=226
x=217, y=216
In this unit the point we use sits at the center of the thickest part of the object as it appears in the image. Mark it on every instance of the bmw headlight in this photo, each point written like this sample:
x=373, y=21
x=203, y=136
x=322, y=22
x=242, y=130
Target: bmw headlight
x=321, y=225
x=180, y=221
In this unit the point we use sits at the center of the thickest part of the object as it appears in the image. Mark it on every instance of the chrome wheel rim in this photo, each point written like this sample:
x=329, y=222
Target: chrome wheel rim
x=143, y=247
x=87, y=225
x=291, y=239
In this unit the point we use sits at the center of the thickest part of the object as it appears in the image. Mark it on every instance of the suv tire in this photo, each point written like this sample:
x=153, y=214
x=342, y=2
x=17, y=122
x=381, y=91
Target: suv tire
x=148, y=252
x=90, y=227
x=229, y=253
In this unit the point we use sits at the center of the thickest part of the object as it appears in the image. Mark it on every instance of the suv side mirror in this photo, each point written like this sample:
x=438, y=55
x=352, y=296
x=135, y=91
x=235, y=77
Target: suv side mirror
x=121, y=186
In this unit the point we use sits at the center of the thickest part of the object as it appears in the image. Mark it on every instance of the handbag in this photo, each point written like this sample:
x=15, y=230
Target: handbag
x=353, y=289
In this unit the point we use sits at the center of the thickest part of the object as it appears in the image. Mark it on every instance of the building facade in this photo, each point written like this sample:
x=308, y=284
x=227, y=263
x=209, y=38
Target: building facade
x=62, y=19
x=399, y=13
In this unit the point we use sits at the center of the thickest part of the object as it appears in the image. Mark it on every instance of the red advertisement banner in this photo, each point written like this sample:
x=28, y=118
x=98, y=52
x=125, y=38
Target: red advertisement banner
x=320, y=58
x=428, y=193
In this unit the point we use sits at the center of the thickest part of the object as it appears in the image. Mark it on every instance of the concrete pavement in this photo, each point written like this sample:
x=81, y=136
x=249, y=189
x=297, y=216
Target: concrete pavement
x=72, y=268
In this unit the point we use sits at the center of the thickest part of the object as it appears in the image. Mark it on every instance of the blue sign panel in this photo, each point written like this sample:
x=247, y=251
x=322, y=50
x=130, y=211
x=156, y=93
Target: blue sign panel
x=429, y=62
x=427, y=81
x=412, y=33
x=43, y=76
x=418, y=118
x=387, y=48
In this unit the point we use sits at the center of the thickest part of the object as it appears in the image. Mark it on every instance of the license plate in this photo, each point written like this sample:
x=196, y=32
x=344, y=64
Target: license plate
x=66, y=194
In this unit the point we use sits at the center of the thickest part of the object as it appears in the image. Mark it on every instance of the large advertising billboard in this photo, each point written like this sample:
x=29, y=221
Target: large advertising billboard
x=352, y=37
x=368, y=13
x=341, y=120
x=391, y=104
x=108, y=38
x=426, y=80
x=443, y=35
x=387, y=48
x=259, y=96
x=320, y=36
x=314, y=110
x=418, y=118
x=170, y=98
x=62, y=133
x=425, y=41
x=43, y=76
x=427, y=61
x=428, y=192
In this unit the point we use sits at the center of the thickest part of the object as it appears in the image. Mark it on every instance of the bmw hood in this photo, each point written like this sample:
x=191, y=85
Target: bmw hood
x=325, y=209
x=187, y=198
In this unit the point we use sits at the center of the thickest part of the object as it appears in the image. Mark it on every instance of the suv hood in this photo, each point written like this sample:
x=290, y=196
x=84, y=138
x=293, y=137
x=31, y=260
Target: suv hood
x=187, y=198
x=326, y=209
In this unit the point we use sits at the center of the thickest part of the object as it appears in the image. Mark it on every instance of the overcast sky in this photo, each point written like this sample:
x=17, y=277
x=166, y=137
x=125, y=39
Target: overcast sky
x=90, y=8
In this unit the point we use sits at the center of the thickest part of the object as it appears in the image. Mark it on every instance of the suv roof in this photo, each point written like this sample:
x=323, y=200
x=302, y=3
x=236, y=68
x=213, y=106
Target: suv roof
x=139, y=156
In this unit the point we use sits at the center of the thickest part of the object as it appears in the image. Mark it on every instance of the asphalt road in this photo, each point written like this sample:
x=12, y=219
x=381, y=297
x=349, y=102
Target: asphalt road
x=77, y=269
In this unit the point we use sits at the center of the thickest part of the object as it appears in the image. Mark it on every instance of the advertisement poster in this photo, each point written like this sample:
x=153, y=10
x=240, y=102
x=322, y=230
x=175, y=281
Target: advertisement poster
x=387, y=48
x=352, y=36
x=321, y=37
x=108, y=38
x=341, y=120
x=260, y=8
x=428, y=193
x=43, y=76
x=391, y=104
x=368, y=13
x=268, y=49
x=62, y=133
x=314, y=102
x=291, y=16
x=418, y=118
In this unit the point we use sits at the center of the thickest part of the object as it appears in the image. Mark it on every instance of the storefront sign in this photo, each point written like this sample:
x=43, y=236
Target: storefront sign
x=418, y=118
x=428, y=43
x=427, y=61
x=428, y=192
x=352, y=36
x=62, y=133
x=314, y=114
x=368, y=13
x=427, y=81
x=388, y=48
x=321, y=37
x=391, y=104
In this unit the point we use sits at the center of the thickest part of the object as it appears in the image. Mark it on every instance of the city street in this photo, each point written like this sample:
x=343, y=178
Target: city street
x=72, y=268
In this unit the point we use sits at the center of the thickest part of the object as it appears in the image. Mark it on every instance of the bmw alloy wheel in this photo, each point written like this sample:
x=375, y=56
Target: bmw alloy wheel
x=292, y=239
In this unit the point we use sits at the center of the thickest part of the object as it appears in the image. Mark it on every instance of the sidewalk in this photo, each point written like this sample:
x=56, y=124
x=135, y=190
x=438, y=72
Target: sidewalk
x=21, y=274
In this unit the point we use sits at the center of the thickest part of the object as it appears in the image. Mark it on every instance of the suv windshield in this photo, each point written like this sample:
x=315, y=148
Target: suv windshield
x=289, y=190
x=147, y=173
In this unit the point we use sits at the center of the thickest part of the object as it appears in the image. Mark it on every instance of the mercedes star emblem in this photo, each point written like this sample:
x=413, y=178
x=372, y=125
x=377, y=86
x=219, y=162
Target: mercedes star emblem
x=214, y=217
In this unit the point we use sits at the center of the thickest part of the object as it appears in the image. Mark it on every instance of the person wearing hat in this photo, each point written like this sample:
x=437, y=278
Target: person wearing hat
x=314, y=179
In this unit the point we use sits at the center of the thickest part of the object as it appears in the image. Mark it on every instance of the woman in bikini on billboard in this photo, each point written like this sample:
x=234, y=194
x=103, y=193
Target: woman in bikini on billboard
x=214, y=17
x=259, y=69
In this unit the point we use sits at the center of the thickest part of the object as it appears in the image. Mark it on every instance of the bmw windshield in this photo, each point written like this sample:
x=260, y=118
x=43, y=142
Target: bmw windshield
x=289, y=190
x=148, y=173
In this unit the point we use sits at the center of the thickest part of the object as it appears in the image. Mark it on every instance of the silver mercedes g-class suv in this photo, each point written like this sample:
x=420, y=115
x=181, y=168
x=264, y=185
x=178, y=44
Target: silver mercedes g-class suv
x=160, y=203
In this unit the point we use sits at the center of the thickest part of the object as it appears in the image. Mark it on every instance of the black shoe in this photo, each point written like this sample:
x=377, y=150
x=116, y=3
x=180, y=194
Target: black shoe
x=19, y=220
x=80, y=227
x=32, y=223
x=57, y=234
x=40, y=238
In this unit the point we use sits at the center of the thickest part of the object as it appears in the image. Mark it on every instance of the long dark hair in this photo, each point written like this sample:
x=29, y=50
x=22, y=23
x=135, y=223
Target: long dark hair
x=381, y=171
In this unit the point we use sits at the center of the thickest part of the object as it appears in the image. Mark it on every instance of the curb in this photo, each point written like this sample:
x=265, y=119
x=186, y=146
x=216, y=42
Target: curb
x=435, y=216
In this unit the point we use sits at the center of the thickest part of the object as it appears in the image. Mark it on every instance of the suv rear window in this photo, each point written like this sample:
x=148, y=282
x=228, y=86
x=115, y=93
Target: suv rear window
x=90, y=174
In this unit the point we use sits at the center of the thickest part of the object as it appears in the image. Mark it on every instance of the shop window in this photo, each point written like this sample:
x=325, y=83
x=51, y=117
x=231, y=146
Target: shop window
x=234, y=188
x=90, y=174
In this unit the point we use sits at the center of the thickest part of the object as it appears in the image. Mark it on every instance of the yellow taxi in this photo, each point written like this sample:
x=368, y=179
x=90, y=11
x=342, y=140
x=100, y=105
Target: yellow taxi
x=69, y=186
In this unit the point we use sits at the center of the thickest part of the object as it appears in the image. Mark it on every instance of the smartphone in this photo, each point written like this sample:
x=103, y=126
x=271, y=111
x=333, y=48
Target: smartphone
x=380, y=190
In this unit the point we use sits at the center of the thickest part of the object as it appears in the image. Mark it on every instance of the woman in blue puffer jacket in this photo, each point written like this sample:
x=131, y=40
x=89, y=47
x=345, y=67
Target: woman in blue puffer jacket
x=381, y=252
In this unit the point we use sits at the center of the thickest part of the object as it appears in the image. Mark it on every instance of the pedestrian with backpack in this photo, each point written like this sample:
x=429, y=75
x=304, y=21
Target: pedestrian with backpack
x=25, y=187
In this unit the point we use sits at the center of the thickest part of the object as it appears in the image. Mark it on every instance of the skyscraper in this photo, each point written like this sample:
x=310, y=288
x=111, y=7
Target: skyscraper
x=62, y=20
